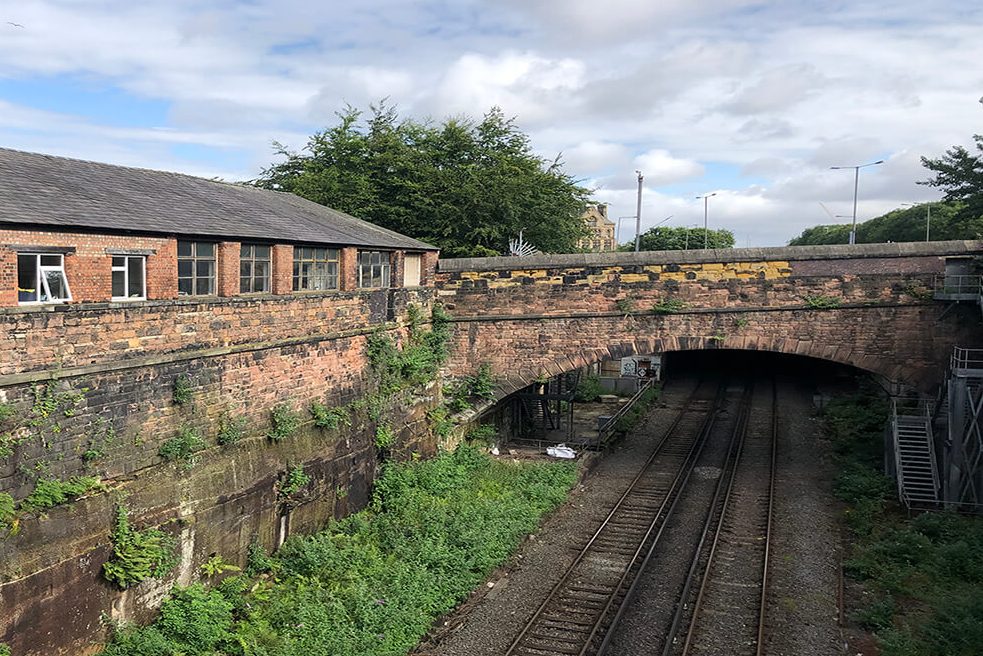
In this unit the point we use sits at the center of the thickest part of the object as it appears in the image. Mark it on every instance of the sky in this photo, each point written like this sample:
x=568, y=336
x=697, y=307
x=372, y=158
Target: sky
x=750, y=101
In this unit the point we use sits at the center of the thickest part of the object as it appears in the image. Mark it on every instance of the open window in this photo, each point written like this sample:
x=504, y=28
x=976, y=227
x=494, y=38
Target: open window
x=41, y=278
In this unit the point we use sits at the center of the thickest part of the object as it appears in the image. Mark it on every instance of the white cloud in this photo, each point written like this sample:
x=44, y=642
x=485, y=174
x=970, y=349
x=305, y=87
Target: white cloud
x=660, y=168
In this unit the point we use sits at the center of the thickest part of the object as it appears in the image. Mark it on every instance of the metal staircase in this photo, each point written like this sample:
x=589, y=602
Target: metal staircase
x=914, y=453
x=963, y=453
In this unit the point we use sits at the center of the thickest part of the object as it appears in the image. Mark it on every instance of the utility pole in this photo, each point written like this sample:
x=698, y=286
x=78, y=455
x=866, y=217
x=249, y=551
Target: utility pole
x=928, y=219
x=638, y=213
x=706, y=213
x=856, y=186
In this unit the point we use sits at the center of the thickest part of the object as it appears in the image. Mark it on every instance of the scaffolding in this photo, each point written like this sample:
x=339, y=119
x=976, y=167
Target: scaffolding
x=962, y=455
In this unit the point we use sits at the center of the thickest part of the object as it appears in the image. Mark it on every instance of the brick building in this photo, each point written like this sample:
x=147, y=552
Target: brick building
x=601, y=228
x=81, y=232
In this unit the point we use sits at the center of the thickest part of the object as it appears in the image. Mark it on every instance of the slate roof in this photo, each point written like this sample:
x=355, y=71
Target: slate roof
x=43, y=190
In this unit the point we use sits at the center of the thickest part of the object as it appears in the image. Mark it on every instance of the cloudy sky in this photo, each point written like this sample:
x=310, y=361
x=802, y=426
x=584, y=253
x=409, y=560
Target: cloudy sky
x=753, y=101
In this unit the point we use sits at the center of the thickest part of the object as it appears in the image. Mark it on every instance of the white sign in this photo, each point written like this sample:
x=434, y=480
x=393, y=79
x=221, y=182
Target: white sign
x=641, y=366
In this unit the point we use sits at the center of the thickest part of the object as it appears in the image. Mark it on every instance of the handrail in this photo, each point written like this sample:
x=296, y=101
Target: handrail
x=605, y=430
x=898, y=470
x=966, y=358
x=959, y=284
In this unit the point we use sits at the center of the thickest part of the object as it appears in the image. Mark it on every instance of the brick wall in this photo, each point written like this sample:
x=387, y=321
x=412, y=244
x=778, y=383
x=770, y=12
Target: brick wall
x=529, y=319
x=110, y=371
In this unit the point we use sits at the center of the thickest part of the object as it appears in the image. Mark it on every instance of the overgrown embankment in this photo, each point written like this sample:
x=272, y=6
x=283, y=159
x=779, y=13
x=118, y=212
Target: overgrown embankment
x=374, y=582
x=920, y=577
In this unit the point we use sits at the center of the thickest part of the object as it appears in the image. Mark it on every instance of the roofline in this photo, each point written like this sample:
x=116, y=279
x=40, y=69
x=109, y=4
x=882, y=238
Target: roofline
x=964, y=248
x=65, y=229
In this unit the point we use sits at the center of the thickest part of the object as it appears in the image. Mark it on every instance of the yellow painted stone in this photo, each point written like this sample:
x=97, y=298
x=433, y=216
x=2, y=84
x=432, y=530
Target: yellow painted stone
x=634, y=277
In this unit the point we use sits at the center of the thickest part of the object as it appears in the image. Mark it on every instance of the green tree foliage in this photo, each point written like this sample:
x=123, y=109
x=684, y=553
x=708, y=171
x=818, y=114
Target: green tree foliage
x=959, y=174
x=667, y=238
x=904, y=224
x=466, y=186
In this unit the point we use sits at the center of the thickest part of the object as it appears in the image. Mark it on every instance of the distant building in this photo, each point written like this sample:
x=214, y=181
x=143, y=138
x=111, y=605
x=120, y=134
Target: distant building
x=601, y=238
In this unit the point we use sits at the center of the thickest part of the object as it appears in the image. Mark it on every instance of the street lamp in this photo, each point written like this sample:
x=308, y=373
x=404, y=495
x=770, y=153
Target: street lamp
x=706, y=211
x=688, y=229
x=856, y=184
x=638, y=212
x=928, y=217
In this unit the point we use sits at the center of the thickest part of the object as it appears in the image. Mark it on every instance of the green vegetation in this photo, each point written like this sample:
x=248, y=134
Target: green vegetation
x=230, y=429
x=923, y=576
x=183, y=390
x=625, y=306
x=4, y=650
x=668, y=238
x=384, y=437
x=960, y=175
x=292, y=482
x=372, y=583
x=484, y=434
x=182, y=447
x=588, y=389
x=137, y=555
x=630, y=420
x=284, y=422
x=215, y=566
x=821, y=302
x=9, y=522
x=329, y=418
x=668, y=306
x=418, y=362
x=51, y=492
x=741, y=322
x=465, y=186
x=441, y=422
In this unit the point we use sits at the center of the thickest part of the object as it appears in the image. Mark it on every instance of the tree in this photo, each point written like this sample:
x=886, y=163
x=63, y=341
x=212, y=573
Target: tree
x=907, y=224
x=960, y=175
x=665, y=238
x=465, y=186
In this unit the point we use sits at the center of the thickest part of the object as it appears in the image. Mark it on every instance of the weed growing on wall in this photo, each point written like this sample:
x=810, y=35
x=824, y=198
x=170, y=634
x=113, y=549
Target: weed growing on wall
x=137, y=555
x=821, y=302
x=668, y=306
x=182, y=447
x=183, y=389
x=329, y=418
x=51, y=492
x=923, y=576
x=230, y=429
x=292, y=482
x=418, y=362
x=216, y=566
x=625, y=306
x=4, y=650
x=374, y=582
x=9, y=522
x=384, y=437
x=284, y=422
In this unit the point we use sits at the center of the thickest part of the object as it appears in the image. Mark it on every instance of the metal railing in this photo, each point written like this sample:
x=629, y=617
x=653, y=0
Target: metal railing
x=920, y=409
x=959, y=285
x=966, y=358
x=604, y=432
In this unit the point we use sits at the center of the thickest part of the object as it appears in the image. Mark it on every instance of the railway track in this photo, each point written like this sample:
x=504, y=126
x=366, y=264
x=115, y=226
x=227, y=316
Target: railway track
x=585, y=603
x=727, y=612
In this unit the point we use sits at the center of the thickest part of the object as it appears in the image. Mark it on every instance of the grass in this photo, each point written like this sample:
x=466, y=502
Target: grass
x=924, y=575
x=372, y=583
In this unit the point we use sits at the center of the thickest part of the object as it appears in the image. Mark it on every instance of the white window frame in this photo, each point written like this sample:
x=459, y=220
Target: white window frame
x=384, y=267
x=126, y=277
x=41, y=281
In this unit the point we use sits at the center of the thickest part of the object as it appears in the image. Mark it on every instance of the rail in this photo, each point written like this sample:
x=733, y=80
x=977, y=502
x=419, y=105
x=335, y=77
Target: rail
x=965, y=359
x=896, y=447
x=959, y=285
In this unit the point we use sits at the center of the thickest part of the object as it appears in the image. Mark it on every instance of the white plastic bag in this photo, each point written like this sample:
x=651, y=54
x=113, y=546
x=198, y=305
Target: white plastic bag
x=561, y=451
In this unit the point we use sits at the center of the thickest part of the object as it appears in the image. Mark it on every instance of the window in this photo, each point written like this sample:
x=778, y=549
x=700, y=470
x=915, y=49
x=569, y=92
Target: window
x=315, y=268
x=195, y=268
x=41, y=278
x=373, y=269
x=254, y=269
x=129, y=279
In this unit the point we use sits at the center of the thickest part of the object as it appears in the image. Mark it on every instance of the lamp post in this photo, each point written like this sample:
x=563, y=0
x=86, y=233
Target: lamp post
x=706, y=212
x=686, y=241
x=928, y=217
x=856, y=185
x=638, y=212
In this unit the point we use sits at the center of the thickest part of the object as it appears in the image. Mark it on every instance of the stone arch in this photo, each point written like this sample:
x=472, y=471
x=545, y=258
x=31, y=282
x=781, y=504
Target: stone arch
x=889, y=369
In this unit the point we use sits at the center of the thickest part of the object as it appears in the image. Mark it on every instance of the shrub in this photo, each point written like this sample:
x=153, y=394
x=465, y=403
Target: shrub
x=292, y=482
x=588, y=389
x=182, y=447
x=283, y=422
x=52, y=492
x=482, y=384
x=197, y=618
x=216, y=565
x=137, y=555
x=625, y=306
x=484, y=434
x=257, y=560
x=440, y=421
x=384, y=437
x=8, y=515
